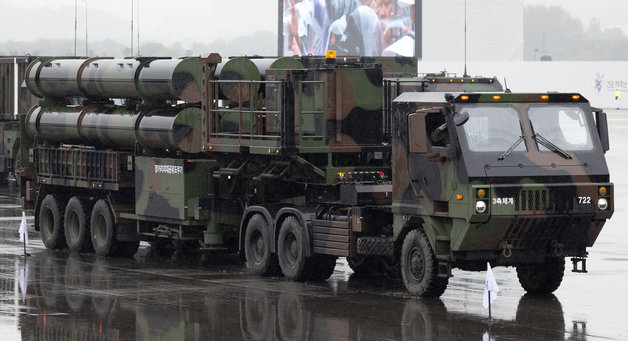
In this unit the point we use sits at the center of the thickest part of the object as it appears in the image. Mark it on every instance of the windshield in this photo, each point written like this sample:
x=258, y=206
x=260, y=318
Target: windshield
x=564, y=126
x=492, y=128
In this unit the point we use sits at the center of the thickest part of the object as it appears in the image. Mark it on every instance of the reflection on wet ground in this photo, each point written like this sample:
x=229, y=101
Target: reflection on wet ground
x=59, y=296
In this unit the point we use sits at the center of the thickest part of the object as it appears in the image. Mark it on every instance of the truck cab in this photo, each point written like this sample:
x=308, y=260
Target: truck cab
x=511, y=179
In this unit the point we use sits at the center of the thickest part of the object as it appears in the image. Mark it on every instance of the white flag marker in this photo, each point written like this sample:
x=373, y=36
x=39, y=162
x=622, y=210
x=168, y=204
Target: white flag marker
x=24, y=230
x=490, y=289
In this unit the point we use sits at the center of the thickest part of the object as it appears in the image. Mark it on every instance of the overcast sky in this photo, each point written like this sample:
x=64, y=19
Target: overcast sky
x=187, y=21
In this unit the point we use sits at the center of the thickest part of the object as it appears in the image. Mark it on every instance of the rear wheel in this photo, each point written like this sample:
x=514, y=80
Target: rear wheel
x=542, y=278
x=76, y=226
x=103, y=232
x=419, y=267
x=51, y=223
x=290, y=250
x=257, y=238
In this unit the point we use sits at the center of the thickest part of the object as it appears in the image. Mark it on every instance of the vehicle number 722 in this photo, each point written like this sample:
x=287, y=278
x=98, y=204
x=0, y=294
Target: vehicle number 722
x=584, y=200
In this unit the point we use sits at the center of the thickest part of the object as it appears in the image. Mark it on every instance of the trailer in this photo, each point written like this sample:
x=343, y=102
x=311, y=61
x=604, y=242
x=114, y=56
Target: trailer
x=294, y=162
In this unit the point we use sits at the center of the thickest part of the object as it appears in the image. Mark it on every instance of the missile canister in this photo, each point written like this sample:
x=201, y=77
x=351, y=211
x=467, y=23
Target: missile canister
x=248, y=69
x=148, y=79
x=158, y=129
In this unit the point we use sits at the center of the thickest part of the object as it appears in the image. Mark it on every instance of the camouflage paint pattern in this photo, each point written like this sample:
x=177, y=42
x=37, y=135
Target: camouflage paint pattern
x=532, y=199
x=170, y=188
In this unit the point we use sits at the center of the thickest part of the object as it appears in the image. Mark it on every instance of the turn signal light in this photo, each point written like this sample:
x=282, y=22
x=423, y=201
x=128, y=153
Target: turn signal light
x=464, y=98
x=481, y=193
x=497, y=97
x=603, y=191
x=575, y=96
x=459, y=196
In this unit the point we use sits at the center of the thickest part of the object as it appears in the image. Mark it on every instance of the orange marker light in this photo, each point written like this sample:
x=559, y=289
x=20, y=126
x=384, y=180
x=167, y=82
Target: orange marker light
x=544, y=97
x=497, y=97
x=575, y=96
x=459, y=196
x=481, y=193
x=330, y=54
x=464, y=98
x=603, y=191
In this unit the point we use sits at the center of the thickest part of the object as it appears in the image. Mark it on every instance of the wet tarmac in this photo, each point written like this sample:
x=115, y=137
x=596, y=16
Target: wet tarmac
x=60, y=296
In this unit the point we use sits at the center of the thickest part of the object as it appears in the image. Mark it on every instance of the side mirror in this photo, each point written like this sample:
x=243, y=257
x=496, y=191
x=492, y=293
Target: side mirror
x=602, y=128
x=461, y=118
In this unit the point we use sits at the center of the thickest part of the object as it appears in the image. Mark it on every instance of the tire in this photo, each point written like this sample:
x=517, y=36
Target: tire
x=76, y=226
x=375, y=246
x=51, y=223
x=257, y=240
x=542, y=278
x=102, y=231
x=320, y=267
x=290, y=250
x=419, y=267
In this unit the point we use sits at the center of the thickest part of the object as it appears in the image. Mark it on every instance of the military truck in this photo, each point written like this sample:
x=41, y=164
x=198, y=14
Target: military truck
x=294, y=162
x=11, y=92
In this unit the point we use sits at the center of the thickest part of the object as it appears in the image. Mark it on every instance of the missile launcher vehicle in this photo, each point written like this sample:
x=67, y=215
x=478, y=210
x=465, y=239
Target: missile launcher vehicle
x=293, y=162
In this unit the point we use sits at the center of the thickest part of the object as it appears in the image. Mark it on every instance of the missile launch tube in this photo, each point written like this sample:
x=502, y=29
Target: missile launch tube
x=160, y=129
x=148, y=79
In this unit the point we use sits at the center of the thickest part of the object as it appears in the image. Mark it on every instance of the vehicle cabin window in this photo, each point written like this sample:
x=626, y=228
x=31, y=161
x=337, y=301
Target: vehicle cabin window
x=565, y=126
x=438, y=138
x=492, y=128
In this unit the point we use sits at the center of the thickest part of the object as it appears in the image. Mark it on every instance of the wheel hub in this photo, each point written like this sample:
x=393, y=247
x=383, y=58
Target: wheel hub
x=417, y=264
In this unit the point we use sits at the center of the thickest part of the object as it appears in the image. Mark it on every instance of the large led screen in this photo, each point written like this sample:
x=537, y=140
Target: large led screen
x=350, y=27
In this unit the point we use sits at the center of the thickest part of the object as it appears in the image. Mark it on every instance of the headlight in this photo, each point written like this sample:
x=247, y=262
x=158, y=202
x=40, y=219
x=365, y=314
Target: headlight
x=602, y=204
x=480, y=206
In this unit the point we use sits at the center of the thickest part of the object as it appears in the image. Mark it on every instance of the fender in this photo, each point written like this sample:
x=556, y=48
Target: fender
x=305, y=220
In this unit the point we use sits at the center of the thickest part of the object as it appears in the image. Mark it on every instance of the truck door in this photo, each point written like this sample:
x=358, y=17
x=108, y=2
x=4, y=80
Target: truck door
x=428, y=140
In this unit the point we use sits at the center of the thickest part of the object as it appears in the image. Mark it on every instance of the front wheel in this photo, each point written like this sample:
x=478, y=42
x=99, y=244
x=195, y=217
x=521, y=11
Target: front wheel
x=542, y=278
x=419, y=267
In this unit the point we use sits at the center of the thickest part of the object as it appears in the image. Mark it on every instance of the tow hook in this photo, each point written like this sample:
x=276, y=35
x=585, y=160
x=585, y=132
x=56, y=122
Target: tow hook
x=506, y=249
x=582, y=261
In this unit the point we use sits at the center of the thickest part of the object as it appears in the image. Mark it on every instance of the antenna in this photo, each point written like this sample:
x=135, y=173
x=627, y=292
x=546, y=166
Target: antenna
x=86, y=50
x=131, y=28
x=75, y=23
x=465, y=39
x=138, y=28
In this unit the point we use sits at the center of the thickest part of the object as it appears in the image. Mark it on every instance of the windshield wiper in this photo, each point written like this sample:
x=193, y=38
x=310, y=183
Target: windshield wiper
x=549, y=145
x=509, y=150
